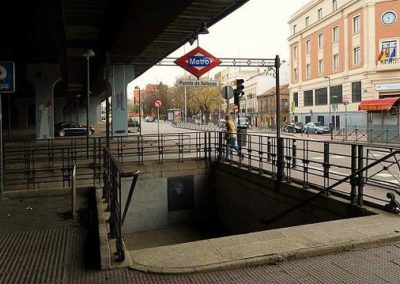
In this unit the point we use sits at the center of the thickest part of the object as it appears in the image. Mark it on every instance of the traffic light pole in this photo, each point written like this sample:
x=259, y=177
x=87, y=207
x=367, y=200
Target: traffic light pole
x=279, y=141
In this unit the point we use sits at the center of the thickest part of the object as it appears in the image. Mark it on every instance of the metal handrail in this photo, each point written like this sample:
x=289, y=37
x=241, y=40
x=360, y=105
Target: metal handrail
x=113, y=172
x=73, y=189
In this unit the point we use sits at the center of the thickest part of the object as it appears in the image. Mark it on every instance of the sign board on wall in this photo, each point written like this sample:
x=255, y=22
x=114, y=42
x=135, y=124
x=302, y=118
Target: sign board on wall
x=7, y=77
x=387, y=87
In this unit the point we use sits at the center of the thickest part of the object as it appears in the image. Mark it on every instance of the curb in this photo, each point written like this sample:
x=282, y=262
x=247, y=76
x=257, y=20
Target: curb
x=274, y=258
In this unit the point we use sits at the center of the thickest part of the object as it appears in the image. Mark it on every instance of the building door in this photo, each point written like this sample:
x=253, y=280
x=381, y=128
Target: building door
x=308, y=118
x=336, y=122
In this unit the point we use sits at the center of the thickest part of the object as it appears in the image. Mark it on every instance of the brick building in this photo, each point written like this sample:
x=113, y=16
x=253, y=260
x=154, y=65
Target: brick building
x=343, y=52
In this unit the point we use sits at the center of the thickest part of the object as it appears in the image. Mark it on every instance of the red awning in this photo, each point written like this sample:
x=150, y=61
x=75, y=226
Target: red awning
x=378, y=105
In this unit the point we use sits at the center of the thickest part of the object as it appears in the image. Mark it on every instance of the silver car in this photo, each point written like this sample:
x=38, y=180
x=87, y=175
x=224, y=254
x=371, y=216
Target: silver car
x=315, y=127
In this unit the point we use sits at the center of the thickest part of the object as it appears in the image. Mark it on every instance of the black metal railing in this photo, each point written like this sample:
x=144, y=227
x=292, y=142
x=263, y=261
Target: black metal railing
x=356, y=180
x=113, y=174
x=307, y=162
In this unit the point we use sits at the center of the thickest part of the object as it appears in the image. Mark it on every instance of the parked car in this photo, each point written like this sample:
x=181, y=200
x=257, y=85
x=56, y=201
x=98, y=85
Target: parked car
x=133, y=125
x=294, y=127
x=71, y=129
x=149, y=119
x=316, y=127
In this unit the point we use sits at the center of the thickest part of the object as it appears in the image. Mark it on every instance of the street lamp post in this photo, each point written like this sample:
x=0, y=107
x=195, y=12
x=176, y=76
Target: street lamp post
x=140, y=112
x=87, y=54
x=329, y=99
x=334, y=105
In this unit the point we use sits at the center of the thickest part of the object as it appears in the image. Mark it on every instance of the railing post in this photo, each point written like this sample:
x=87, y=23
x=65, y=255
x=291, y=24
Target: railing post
x=326, y=166
x=219, y=157
x=74, y=192
x=360, y=179
x=294, y=153
x=269, y=149
x=279, y=160
x=353, y=180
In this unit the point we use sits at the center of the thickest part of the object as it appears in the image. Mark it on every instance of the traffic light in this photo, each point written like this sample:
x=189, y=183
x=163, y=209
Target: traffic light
x=238, y=92
x=239, y=87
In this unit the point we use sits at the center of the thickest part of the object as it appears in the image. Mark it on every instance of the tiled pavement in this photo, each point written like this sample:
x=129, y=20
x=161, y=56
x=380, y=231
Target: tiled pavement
x=39, y=243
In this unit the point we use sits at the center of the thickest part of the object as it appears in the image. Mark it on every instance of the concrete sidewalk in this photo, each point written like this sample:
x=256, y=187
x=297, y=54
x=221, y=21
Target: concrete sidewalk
x=40, y=244
x=269, y=247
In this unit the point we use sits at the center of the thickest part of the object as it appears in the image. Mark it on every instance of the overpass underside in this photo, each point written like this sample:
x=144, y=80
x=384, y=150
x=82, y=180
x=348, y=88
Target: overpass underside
x=70, y=55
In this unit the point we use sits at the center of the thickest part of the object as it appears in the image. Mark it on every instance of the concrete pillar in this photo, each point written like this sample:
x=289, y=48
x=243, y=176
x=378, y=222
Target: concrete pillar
x=93, y=110
x=120, y=77
x=59, y=104
x=44, y=76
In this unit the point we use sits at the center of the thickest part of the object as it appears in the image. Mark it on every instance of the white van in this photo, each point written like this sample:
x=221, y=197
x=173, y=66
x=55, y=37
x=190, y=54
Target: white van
x=243, y=121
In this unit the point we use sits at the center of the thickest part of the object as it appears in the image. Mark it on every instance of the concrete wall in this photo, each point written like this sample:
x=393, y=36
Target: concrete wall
x=236, y=199
x=149, y=206
x=245, y=198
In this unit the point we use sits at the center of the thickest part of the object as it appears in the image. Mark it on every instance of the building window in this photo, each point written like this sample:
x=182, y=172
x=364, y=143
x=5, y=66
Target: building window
x=320, y=41
x=319, y=13
x=296, y=99
x=295, y=52
x=308, y=98
x=335, y=34
x=388, y=50
x=294, y=29
x=334, y=5
x=336, y=94
x=356, y=24
x=307, y=21
x=295, y=74
x=335, y=61
x=356, y=56
x=308, y=47
x=356, y=92
x=321, y=97
x=320, y=66
x=308, y=70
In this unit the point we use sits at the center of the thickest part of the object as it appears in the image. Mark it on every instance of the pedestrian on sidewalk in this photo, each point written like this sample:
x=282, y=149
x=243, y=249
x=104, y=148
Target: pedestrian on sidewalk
x=231, y=137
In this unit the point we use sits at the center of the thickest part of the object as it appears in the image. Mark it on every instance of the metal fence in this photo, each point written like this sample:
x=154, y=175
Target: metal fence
x=308, y=163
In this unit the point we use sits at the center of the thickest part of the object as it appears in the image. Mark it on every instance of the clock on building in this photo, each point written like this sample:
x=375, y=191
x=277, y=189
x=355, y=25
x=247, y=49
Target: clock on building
x=388, y=17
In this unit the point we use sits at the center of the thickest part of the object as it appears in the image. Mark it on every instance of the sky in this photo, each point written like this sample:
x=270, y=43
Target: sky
x=258, y=29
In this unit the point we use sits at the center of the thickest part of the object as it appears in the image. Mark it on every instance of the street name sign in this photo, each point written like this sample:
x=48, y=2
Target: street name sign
x=198, y=61
x=197, y=83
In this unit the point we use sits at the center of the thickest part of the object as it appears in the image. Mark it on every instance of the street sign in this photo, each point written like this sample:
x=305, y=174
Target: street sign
x=227, y=92
x=198, y=61
x=157, y=103
x=346, y=99
x=235, y=107
x=197, y=83
x=7, y=77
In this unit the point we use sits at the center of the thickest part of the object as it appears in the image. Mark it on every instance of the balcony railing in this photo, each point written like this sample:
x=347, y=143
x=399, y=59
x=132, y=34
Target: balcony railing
x=389, y=64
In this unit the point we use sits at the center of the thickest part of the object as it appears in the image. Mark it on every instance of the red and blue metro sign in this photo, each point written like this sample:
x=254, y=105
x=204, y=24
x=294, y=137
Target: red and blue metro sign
x=198, y=61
